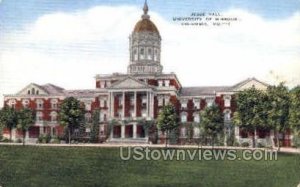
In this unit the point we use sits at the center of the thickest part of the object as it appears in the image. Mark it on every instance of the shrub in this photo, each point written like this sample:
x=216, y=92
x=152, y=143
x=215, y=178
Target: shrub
x=6, y=140
x=260, y=145
x=245, y=144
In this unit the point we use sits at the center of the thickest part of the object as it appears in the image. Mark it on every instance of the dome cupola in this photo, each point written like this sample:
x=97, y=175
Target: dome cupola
x=145, y=46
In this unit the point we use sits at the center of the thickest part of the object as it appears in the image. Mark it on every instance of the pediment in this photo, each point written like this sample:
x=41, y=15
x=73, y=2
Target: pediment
x=129, y=83
x=32, y=89
x=251, y=83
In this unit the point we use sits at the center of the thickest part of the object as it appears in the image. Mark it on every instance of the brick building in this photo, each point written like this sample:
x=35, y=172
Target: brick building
x=129, y=98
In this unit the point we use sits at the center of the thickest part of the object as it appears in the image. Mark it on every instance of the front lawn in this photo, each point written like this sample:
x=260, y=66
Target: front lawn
x=94, y=166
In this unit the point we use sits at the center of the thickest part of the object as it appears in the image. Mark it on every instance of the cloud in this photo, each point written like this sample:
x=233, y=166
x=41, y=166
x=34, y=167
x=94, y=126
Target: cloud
x=68, y=49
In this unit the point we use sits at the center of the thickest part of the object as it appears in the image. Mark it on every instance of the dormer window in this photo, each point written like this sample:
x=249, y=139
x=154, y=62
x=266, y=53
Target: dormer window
x=32, y=91
x=28, y=92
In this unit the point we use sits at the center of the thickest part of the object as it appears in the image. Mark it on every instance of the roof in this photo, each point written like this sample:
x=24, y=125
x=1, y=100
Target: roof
x=52, y=89
x=81, y=93
x=145, y=25
x=203, y=90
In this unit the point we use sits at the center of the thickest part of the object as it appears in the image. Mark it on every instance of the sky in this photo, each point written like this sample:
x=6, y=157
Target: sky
x=68, y=42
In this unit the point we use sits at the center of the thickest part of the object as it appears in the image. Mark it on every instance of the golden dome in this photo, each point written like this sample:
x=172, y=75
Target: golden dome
x=145, y=25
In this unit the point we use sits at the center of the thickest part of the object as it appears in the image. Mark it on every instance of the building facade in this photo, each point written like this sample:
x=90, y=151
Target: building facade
x=126, y=99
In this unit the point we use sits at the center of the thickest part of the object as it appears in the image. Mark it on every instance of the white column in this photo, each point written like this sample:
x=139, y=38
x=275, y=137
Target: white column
x=108, y=104
x=237, y=133
x=123, y=131
x=151, y=105
x=147, y=103
x=112, y=107
x=123, y=105
x=112, y=132
x=134, y=130
x=27, y=134
x=134, y=104
x=41, y=130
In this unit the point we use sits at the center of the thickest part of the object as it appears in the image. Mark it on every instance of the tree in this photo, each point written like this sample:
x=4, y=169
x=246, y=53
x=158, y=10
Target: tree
x=167, y=120
x=71, y=115
x=252, y=111
x=8, y=119
x=95, y=126
x=278, y=114
x=294, y=113
x=212, y=121
x=26, y=119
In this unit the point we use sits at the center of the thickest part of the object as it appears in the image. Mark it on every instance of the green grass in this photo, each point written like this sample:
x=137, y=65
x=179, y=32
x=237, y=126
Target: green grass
x=91, y=166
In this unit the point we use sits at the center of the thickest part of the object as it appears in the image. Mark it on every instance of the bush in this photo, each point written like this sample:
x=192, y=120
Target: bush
x=44, y=138
x=6, y=140
x=260, y=145
x=296, y=141
x=245, y=144
x=18, y=141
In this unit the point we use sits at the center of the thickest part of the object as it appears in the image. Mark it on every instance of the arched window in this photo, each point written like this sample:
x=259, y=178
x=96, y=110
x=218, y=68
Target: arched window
x=227, y=114
x=149, y=55
x=28, y=92
x=53, y=116
x=155, y=55
x=142, y=53
x=183, y=117
x=135, y=55
x=88, y=117
x=32, y=91
x=196, y=117
x=39, y=116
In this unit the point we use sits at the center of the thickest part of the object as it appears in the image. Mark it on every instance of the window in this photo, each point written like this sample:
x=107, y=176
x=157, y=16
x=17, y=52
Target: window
x=144, y=100
x=167, y=99
x=135, y=56
x=196, y=117
x=196, y=132
x=227, y=100
x=183, y=104
x=25, y=103
x=196, y=103
x=103, y=102
x=209, y=102
x=120, y=101
x=131, y=101
x=88, y=105
x=142, y=53
x=40, y=104
x=53, y=116
x=54, y=103
x=160, y=101
x=37, y=92
x=227, y=115
x=183, y=132
x=28, y=92
x=12, y=103
x=167, y=83
x=160, y=83
x=149, y=56
x=39, y=116
x=183, y=117
x=32, y=91
x=88, y=117
x=155, y=55
x=102, y=84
